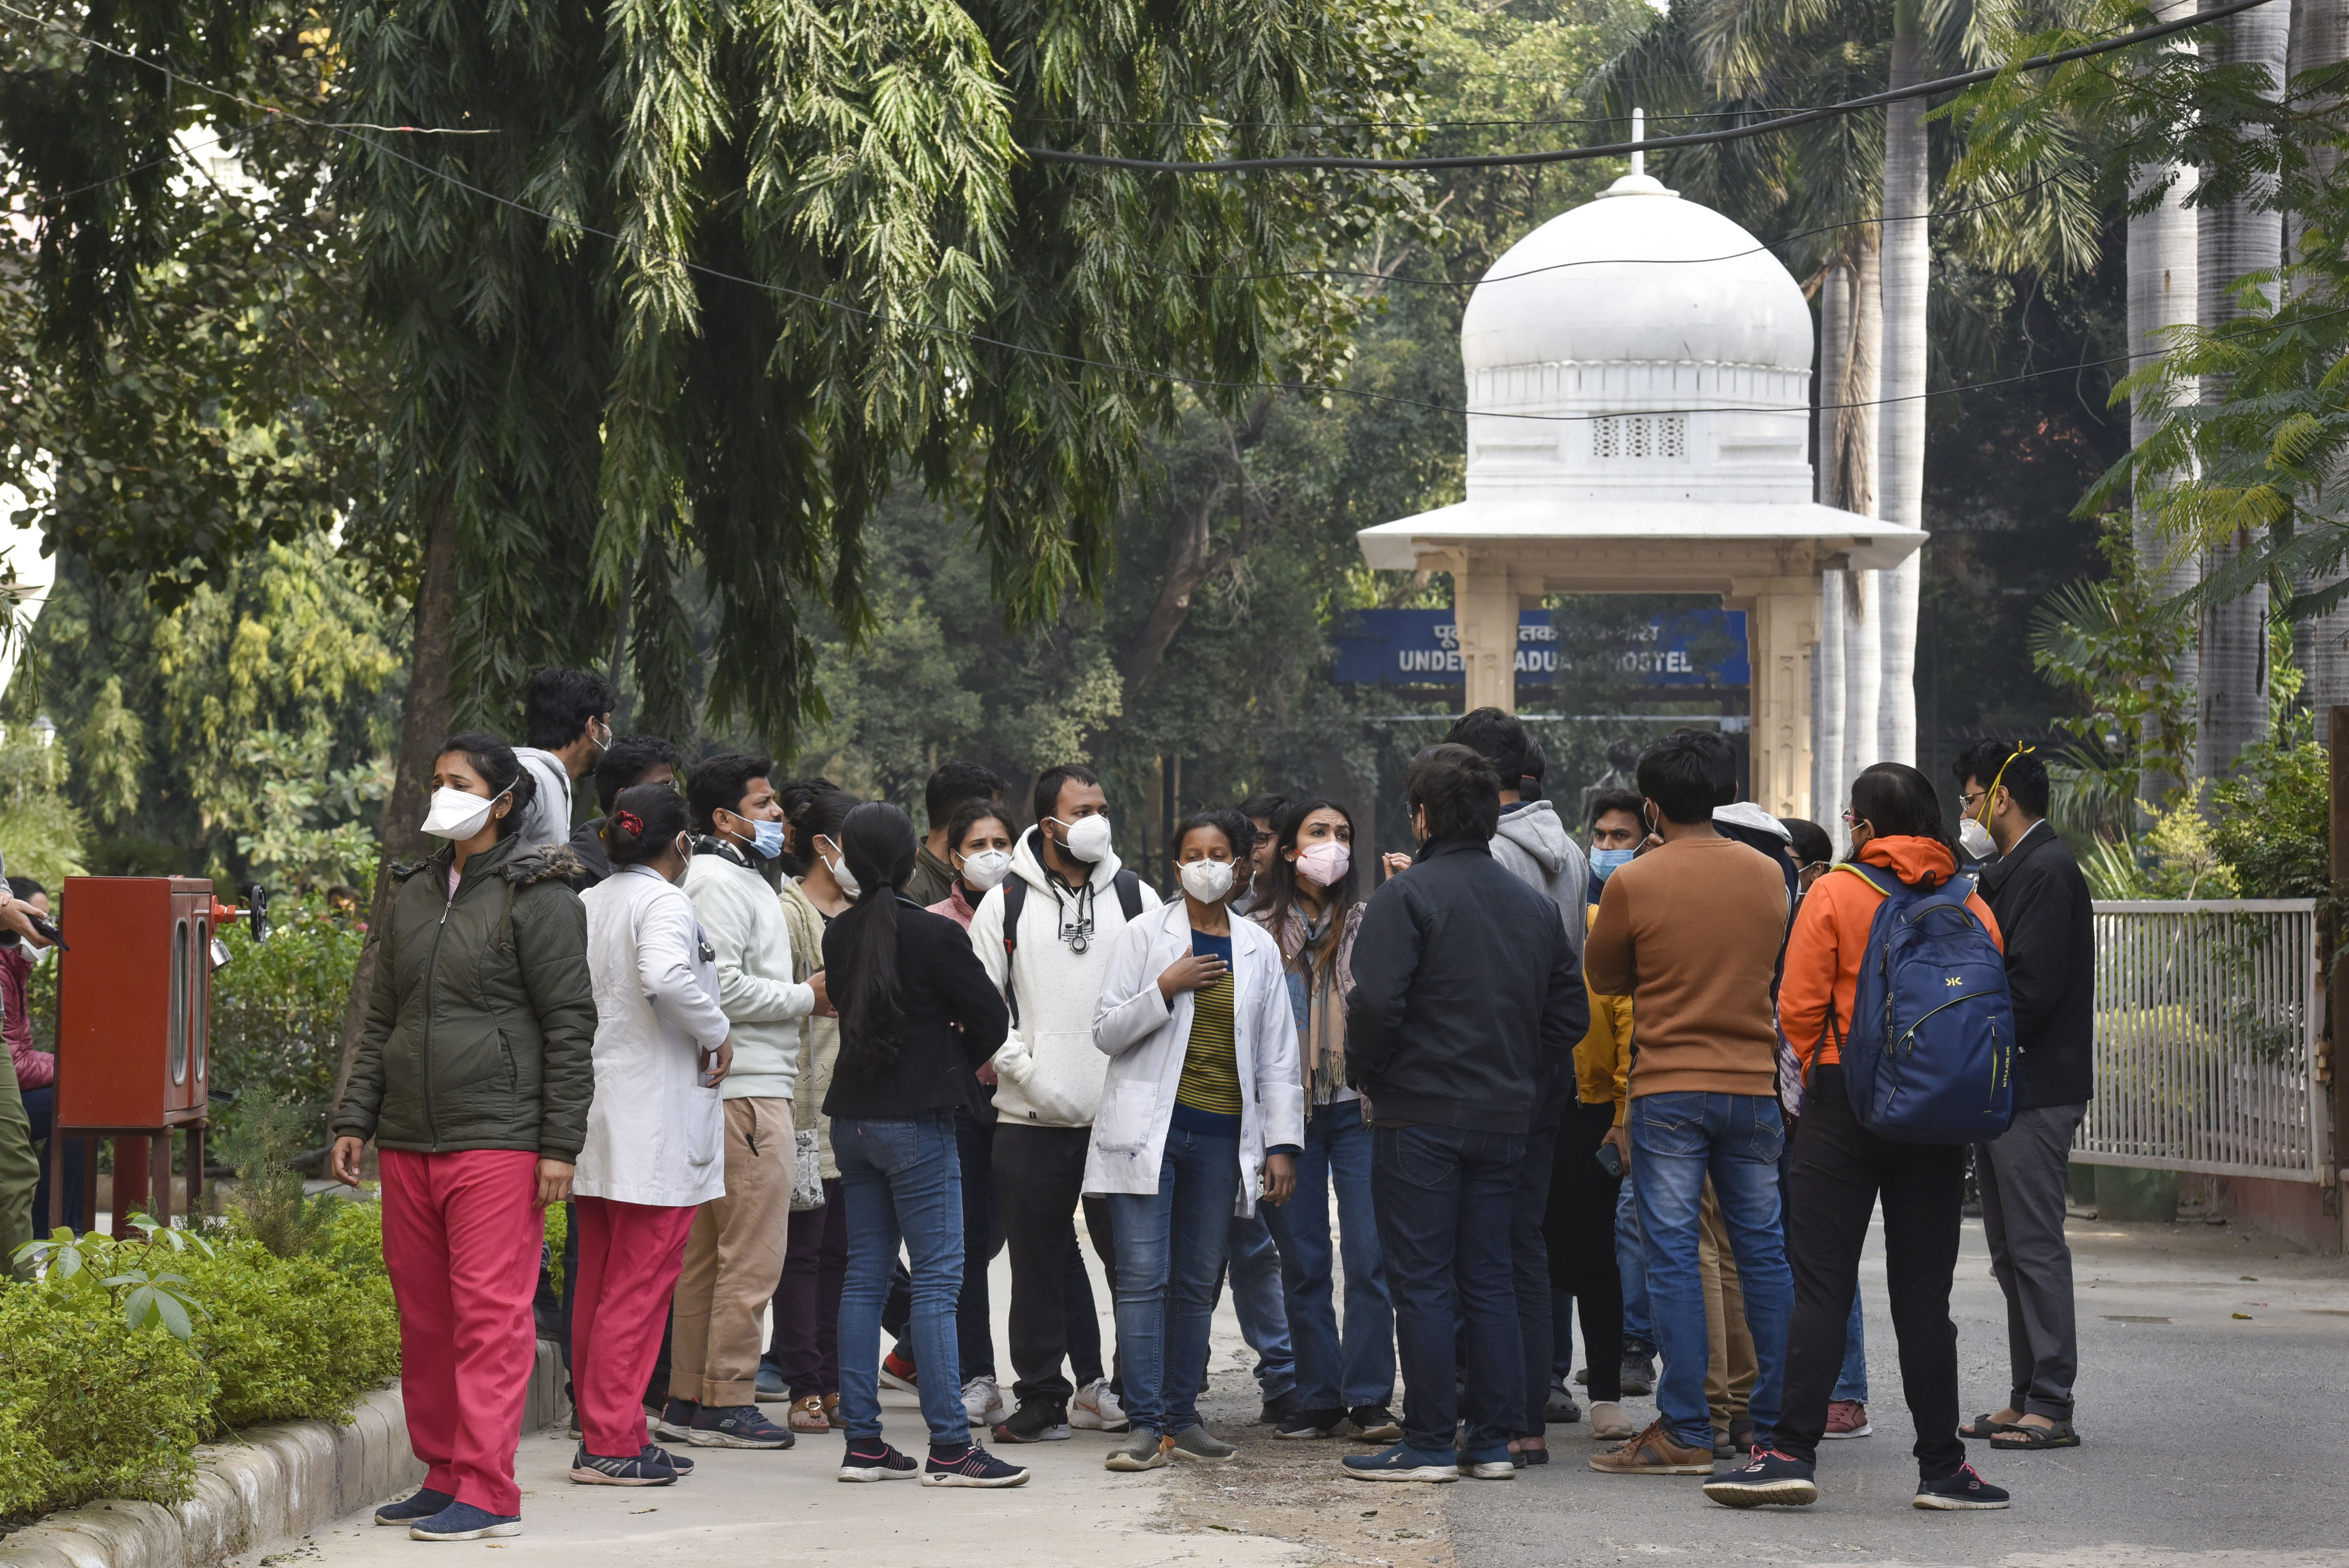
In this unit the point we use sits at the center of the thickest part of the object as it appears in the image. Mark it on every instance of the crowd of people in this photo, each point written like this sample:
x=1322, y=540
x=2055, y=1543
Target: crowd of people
x=788, y=1058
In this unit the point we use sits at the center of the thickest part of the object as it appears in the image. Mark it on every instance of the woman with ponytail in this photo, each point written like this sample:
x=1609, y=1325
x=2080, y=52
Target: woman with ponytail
x=656, y=1129
x=917, y=1016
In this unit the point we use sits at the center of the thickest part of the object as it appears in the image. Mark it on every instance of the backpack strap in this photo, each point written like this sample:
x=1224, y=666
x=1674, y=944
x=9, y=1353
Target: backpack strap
x=1129, y=894
x=1864, y=874
x=1014, y=899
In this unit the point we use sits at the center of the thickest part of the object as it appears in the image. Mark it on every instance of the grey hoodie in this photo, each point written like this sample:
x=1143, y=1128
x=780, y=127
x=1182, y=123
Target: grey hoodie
x=1534, y=845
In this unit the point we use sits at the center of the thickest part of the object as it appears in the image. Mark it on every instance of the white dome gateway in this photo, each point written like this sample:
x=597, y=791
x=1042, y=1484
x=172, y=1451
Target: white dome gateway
x=1638, y=346
x=1637, y=376
x=1639, y=367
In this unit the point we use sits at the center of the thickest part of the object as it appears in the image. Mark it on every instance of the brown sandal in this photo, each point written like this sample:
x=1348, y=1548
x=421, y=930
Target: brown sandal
x=807, y=1416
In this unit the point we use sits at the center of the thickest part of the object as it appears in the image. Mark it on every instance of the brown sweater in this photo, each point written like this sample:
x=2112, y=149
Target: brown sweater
x=1691, y=932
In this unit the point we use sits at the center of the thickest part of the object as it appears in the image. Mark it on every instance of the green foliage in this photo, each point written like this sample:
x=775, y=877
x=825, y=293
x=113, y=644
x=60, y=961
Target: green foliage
x=40, y=832
x=2176, y=858
x=246, y=730
x=291, y=1336
x=2272, y=815
x=277, y=1015
x=93, y=1405
x=2111, y=647
x=90, y=1409
x=269, y=1198
x=558, y=1228
x=123, y=1273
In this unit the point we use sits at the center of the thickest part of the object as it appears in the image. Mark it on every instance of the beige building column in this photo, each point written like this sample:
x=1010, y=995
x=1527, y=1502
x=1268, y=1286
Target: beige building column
x=1781, y=632
x=1485, y=608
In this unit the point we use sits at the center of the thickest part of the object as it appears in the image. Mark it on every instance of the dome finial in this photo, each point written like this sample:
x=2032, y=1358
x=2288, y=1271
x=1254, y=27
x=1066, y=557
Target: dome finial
x=1639, y=134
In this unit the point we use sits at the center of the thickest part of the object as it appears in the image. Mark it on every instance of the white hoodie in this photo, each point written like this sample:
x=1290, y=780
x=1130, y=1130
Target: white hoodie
x=1048, y=1074
x=1534, y=845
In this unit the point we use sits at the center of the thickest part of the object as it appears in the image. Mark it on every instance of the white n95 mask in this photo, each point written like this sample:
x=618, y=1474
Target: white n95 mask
x=457, y=814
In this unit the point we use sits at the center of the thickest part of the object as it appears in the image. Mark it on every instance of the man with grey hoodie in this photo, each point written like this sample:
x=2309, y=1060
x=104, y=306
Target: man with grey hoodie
x=1533, y=844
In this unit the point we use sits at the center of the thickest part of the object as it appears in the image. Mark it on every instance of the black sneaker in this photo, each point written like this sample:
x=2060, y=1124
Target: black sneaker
x=1638, y=1368
x=874, y=1460
x=736, y=1427
x=1770, y=1477
x=674, y=1420
x=678, y=1462
x=1373, y=1424
x=974, y=1466
x=650, y=1468
x=424, y=1505
x=1964, y=1489
x=1035, y=1424
x=1279, y=1409
x=1309, y=1424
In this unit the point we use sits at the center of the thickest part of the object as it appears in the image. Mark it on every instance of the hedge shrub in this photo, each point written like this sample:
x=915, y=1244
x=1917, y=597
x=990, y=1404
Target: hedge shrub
x=290, y=1339
x=90, y=1409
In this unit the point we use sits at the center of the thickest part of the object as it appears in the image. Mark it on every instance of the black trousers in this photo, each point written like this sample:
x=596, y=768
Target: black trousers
x=1838, y=1170
x=1529, y=1267
x=1581, y=1231
x=1040, y=1174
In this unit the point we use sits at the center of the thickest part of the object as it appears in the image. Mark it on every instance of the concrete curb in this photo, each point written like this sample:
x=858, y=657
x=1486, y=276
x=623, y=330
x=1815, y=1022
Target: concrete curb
x=261, y=1490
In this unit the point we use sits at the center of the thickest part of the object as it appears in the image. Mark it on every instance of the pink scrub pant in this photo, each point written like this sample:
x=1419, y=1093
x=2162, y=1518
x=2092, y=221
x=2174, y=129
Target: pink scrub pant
x=462, y=1234
x=629, y=1257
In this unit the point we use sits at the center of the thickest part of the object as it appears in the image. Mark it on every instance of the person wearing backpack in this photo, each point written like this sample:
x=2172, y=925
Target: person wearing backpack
x=1840, y=1167
x=1045, y=937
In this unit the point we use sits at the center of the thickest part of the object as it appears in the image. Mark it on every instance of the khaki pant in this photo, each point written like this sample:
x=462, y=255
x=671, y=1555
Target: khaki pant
x=20, y=1174
x=1730, y=1368
x=734, y=1261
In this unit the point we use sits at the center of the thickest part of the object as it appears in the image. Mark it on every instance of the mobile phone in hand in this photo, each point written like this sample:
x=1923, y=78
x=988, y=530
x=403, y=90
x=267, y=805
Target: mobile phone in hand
x=1610, y=1160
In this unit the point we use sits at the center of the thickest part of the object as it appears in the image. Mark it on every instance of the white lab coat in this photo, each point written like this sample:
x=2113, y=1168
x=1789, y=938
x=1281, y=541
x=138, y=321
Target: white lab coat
x=1145, y=1041
x=654, y=1133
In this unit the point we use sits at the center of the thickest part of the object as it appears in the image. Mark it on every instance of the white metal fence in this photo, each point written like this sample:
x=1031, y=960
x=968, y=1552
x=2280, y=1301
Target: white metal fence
x=2208, y=1017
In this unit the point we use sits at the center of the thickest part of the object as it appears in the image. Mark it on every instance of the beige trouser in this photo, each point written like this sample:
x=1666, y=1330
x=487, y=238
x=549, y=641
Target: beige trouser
x=734, y=1261
x=1729, y=1369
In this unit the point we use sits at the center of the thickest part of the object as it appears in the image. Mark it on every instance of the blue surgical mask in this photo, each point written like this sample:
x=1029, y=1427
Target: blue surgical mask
x=1603, y=862
x=767, y=839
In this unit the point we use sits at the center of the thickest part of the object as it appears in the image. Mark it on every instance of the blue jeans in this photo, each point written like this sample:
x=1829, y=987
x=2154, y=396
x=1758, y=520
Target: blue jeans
x=1335, y=1373
x=1677, y=1139
x=1256, y=1302
x=1170, y=1256
x=1445, y=1200
x=901, y=1180
x=1631, y=1261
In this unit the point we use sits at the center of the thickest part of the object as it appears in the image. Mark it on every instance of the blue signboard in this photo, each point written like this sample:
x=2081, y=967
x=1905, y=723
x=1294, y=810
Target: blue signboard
x=1421, y=647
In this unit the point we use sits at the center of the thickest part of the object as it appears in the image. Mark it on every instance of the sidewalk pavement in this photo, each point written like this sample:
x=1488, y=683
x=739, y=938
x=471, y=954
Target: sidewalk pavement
x=2211, y=1442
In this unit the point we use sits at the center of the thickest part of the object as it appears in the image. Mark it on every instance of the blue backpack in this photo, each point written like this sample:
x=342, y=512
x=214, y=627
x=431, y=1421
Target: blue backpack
x=1930, y=1058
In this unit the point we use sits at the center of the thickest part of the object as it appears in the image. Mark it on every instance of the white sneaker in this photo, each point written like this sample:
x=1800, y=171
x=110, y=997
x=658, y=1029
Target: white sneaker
x=1095, y=1408
x=982, y=1401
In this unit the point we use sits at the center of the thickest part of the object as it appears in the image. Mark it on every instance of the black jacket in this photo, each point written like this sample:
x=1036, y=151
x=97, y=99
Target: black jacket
x=1467, y=1000
x=2042, y=904
x=954, y=1020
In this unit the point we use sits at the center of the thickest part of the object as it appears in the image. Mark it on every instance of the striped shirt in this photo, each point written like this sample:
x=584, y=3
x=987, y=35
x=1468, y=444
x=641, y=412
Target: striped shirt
x=1207, y=1097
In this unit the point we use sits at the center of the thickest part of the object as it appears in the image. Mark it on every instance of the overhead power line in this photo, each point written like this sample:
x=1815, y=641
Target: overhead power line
x=1660, y=143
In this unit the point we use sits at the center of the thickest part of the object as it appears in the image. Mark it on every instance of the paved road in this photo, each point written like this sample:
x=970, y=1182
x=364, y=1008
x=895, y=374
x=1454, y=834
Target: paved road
x=2213, y=1441
x=2211, y=1438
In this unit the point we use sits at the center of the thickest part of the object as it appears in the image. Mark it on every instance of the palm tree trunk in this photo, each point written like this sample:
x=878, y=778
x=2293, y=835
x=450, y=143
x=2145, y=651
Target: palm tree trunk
x=2321, y=643
x=2236, y=239
x=1826, y=662
x=2163, y=291
x=1863, y=662
x=1908, y=270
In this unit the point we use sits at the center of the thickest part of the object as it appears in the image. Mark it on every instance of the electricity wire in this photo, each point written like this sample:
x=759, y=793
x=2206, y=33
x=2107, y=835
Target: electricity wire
x=1660, y=143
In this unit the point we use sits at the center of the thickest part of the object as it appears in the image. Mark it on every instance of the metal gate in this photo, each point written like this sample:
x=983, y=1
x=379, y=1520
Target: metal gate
x=2208, y=1017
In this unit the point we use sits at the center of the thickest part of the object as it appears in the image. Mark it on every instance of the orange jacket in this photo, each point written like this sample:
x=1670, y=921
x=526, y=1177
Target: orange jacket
x=1823, y=954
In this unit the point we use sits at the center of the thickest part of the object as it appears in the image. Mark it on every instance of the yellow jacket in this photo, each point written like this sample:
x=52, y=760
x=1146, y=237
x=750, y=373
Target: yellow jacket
x=1602, y=1058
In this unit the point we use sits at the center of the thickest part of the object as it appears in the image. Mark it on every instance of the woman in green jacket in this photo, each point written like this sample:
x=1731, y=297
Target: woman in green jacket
x=472, y=1077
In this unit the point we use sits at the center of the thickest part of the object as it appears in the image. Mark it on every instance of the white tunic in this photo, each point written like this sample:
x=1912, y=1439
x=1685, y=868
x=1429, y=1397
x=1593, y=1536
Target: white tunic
x=654, y=1133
